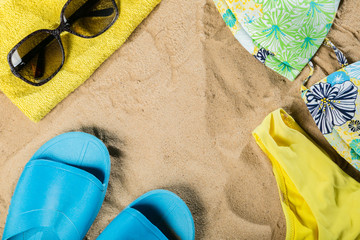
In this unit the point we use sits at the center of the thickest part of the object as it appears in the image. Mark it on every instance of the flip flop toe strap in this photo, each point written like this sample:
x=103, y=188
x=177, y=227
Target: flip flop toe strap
x=131, y=224
x=57, y=196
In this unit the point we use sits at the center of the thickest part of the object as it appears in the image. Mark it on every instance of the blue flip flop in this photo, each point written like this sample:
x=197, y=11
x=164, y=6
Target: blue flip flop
x=158, y=214
x=60, y=191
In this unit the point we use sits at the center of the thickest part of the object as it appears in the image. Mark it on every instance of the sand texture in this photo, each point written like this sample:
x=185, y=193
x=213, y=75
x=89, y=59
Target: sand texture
x=176, y=105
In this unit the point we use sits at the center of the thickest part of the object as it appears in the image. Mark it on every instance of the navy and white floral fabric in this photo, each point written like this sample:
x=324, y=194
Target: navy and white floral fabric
x=262, y=54
x=354, y=125
x=334, y=104
x=339, y=54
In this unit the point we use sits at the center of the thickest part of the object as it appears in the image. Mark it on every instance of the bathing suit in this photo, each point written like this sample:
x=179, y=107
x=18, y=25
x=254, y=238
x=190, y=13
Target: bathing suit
x=282, y=34
x=334, y=105
x=258, y=26
x=319, y=200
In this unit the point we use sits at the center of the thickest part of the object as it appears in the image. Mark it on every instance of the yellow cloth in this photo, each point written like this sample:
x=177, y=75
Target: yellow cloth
x=19, y=18
x=319, y=200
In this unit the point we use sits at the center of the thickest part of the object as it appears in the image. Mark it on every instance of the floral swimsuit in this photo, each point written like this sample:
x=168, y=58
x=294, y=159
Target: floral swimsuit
x=282, y=34
x=319, y=199
x=334, y=105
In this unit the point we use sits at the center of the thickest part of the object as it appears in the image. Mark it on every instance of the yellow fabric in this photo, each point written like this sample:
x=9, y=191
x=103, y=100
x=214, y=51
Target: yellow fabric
x=319, y=200
x=19, y=18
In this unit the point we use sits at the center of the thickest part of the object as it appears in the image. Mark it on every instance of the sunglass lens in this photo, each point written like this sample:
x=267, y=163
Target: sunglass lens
x=90, y=18
x=37, y=58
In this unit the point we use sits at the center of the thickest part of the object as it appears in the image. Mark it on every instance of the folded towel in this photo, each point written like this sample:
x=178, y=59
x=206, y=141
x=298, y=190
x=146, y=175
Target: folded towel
x=83, y=56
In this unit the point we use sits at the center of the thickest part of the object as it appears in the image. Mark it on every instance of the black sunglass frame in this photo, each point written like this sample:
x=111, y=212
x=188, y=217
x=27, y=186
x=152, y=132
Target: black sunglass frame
x=63, y=27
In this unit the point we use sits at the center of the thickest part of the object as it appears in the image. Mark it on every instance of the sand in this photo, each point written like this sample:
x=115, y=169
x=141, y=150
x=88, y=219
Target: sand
x=176, y=105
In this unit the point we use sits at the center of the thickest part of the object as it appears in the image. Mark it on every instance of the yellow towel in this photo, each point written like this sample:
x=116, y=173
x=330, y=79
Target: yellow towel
x=19, y=18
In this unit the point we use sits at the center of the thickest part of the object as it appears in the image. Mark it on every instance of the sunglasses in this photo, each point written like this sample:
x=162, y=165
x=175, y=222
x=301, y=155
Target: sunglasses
x=39, y=57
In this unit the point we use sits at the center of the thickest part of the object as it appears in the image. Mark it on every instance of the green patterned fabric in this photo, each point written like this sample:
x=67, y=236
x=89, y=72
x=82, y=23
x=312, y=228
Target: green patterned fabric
x=291, y=31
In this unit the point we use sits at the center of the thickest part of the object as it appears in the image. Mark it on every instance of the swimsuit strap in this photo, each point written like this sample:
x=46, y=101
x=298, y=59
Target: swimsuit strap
x=311, y=73
x=339, y=55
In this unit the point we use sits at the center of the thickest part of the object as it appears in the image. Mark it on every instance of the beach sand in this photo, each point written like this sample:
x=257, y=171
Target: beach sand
x=176, y=105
